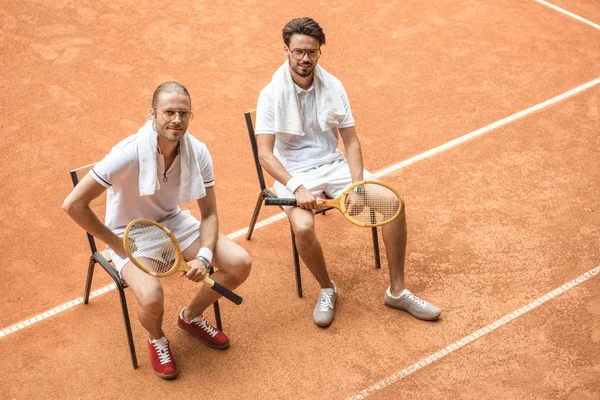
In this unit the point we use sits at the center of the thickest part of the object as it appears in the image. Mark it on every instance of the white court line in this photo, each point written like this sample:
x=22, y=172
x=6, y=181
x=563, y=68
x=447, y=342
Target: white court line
x=386, y=171
x=392, y=379
x=486, y=129
x=569, y=13
x=54, y=311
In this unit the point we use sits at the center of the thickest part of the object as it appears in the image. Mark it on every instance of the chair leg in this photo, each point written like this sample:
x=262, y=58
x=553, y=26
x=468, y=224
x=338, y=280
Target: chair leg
x=217, y=315
x=216, y=305
x=127, y=325
x=376, y=247
x=88, y=280
x=259, y=202
x=296, y=264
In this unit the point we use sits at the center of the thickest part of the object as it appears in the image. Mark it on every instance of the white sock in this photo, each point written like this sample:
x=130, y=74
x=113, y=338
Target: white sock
x=389, y=293
x=198, y=318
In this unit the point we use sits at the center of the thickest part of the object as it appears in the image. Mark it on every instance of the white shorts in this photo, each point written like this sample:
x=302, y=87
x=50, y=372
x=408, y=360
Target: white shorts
x=325, y=181
x=184, y=226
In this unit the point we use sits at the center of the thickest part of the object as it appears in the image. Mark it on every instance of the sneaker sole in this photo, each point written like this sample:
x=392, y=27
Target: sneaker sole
x=323, y=324
x=166, y=377
x=224, y=347
x=421, y=318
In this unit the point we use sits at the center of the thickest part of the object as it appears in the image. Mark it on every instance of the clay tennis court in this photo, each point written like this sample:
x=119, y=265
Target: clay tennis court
x=504, y=226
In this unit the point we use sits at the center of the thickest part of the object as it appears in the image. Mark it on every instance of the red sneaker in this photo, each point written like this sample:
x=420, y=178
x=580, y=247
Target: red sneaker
x=208, y=334
x=161, y=358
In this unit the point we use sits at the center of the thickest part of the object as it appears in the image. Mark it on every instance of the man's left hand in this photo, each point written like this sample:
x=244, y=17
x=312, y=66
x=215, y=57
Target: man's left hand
x=197, y=272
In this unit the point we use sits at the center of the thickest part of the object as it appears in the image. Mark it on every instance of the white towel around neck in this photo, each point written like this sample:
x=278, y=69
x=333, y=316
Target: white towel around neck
x=191, y=186
x=330, y=109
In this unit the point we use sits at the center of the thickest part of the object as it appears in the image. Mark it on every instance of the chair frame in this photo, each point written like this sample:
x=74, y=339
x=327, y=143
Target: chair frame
x=268, y=193
x=98, y=257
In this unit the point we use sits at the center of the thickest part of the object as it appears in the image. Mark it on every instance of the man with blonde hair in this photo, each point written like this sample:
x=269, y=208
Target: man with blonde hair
x=143, y=176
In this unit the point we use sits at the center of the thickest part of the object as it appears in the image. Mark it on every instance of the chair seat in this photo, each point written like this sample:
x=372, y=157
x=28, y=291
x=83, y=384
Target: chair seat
x=265, y=192
x=106, y=255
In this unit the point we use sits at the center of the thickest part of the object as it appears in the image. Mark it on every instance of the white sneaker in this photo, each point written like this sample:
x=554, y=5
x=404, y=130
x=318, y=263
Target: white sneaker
x=412, y=304
x=325, y=307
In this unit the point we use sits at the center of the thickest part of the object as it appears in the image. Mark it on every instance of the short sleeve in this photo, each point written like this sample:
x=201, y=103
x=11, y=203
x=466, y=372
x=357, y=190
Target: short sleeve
x=348, y=121
x=265, y=118
x=206, y=166
x=113, y=168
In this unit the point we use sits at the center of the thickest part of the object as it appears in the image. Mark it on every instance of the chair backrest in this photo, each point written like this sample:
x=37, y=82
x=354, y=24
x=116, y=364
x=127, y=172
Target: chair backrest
x=250, y=123
x=76, y=176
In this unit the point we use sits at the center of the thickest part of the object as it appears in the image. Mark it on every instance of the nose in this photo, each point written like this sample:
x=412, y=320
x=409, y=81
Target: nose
x=305, y=56
x=177, y=118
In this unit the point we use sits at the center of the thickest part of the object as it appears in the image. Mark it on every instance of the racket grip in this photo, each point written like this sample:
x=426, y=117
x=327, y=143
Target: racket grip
x=280, y=202
x=217, y=287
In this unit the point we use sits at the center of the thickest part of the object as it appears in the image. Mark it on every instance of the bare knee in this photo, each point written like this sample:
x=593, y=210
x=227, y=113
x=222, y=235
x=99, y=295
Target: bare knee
x=243, y=268
x=152, y=300
x=305, y=230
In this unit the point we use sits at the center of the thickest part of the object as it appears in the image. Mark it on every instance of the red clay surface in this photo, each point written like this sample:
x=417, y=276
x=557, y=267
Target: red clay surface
x=494, y=223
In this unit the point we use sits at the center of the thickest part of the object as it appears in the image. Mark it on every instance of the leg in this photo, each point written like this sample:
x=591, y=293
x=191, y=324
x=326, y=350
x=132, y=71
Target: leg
x=309, y=248
x=148, y=291
x=394, y=236
x=233, y=267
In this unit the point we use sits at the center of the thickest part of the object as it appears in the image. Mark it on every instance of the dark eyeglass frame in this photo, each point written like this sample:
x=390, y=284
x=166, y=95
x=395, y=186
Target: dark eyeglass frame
x=305, y=52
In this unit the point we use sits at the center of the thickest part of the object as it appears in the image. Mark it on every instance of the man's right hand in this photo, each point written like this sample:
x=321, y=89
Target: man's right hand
x=305, y=199
x=117, y=247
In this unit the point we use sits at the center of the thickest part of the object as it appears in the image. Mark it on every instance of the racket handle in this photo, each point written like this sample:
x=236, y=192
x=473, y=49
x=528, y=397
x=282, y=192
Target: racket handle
x=280, y=202
x=217, y=287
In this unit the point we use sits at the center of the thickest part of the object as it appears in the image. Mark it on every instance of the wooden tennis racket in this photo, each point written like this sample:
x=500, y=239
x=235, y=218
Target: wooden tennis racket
x=364, y=203
x=154, y=249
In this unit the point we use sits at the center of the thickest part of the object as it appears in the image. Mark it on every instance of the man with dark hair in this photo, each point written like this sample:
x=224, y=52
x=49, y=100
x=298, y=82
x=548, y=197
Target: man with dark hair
x=144, y=175
x=298, y=117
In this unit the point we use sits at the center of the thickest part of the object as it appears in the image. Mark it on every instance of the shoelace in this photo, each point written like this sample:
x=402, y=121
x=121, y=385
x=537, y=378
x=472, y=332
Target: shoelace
x=205, y=326
x=416, y=300
x=162, y=349
x=326, y=302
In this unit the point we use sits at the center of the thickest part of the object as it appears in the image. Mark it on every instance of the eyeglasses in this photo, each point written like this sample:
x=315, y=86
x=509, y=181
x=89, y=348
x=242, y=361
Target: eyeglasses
x=313, y=54
x=169, y=115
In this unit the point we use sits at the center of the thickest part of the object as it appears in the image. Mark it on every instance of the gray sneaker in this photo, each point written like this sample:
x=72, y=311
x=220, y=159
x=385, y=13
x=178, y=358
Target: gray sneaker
x=325, y=307
x=413, y=305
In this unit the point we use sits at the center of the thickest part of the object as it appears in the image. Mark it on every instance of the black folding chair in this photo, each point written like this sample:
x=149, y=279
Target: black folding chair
x=270, y=193
x=103, y=258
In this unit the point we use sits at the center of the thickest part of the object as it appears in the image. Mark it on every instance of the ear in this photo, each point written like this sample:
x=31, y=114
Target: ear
x=151, y=113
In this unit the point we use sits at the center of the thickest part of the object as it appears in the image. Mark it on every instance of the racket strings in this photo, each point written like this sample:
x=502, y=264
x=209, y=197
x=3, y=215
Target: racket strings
x=152, y=247
x=374, y=204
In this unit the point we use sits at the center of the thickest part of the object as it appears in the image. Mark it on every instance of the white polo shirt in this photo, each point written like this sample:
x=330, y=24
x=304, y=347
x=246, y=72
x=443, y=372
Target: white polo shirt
x=119, y=173
x=316, y=147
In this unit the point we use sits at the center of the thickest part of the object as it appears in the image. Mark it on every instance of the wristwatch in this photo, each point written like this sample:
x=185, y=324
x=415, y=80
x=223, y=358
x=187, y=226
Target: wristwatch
x=205, y=262
x=358, y=189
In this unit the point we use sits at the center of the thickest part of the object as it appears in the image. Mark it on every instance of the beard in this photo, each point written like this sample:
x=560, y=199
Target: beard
x=302, y=70
x=169, y=135
x=303, y=73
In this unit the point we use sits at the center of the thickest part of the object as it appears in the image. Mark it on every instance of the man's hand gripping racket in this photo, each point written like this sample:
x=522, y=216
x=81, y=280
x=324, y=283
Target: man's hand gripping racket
x=364, y=203
x=153, y=249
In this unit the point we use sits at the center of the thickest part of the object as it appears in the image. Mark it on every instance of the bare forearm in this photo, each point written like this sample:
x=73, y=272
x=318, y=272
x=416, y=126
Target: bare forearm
x=85, y=217
x=209, y=231
x=355, y=160
x=275, y=168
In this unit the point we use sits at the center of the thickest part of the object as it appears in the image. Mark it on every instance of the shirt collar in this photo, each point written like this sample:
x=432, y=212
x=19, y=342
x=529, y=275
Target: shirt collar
x=178, y=147
x=300, y=90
